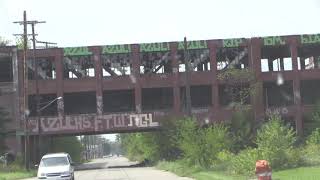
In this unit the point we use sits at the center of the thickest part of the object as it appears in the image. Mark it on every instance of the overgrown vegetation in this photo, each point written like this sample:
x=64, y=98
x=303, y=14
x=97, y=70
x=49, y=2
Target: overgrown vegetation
x=231, y=149
x=15, y=170
x=70, y=144
x=4, y=118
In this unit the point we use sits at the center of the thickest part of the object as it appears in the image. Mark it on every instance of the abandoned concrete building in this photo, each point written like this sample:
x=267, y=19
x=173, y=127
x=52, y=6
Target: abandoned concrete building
x=120, y=88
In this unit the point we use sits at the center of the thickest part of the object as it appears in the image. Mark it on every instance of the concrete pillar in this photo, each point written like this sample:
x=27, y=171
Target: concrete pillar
x=270, y=65
x=257, y=95
x=98, y=77
x=296, y=88
x=214, y=73
x=135, y=77
x=59, y=80
x=281, y=64
x=175, y=71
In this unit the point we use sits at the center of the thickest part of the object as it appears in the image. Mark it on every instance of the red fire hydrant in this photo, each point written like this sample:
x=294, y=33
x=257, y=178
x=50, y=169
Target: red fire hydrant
x=263, y=170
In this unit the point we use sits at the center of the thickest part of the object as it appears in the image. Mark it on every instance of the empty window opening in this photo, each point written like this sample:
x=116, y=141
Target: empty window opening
x=231, y=95
x=309, y=124
x=116, y=64
x=310, y=91
x=47, y=104
x=157, y=98
x=78, y=67
x=228, y=58
x=155, y=62
x=118, y=101
x=80, y=103
x=276, y=58
x=6, y=69
x=278, y=95
x=309, y=57
x=290, y=121
x=45, y=67
x=201, y=96
x=199, y=60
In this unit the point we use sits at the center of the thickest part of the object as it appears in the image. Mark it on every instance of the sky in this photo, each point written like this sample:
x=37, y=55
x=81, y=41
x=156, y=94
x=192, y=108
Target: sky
x=103, y=22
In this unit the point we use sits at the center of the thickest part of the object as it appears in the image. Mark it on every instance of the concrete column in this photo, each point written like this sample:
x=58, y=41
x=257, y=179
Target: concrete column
x=135, y=77
x=214, y=73
x=59, y=79
x=257, y=95
x=175, y=71
x=296, y=88
x=98, y=76
x=270, y=65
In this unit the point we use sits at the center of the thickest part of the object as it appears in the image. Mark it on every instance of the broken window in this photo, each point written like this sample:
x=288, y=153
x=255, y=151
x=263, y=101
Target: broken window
x=78, y=66
x=47, y=104
x=6, y=69
x=228, y=58
x=276, y=58
x=116, y=64
x=157, y=98
x=310, y=91
x=231, y=95
x=118, y=101
x=309, y=57
x=199, y=60
x=201, y=96
x=278, y=95
x=45, y=67
x=80, y=102
x=155, y=62
x=309, y=124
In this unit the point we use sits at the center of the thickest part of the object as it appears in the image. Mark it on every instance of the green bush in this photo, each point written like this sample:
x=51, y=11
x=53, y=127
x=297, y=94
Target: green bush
x=223, y=161
x=314, y=138
x=245, y=161
x=154, y=146
x=70, y=145
x=275, y=142
x=311, y=153
x=200, y=146
x=242, y=129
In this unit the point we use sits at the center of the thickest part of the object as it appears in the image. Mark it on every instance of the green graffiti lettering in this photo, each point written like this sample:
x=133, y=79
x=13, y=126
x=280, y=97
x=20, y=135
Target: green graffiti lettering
x=76, y=51
x=193, y=45
x=232, y=42
x=308, y=39
x=151, y=47
x=273, y=40
x=116, y=49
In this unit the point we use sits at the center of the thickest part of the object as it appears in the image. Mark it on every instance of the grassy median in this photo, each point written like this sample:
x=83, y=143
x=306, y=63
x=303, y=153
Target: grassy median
x=16, y=174
x=302, y=173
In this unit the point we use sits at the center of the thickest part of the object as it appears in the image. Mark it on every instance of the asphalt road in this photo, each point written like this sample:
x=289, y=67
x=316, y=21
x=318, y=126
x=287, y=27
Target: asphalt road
x=118, y=168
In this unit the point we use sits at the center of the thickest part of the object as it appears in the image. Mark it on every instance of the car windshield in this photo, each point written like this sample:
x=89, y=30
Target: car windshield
x=54, y=161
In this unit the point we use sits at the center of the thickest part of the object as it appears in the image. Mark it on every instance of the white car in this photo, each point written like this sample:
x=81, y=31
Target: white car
x=58, y=166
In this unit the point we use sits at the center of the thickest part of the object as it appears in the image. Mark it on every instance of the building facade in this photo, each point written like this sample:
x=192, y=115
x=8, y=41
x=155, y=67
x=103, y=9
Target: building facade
x=133, y=87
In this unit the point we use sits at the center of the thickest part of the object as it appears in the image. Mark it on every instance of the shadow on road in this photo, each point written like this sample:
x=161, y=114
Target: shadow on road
x=90, y=166
x=142, y=164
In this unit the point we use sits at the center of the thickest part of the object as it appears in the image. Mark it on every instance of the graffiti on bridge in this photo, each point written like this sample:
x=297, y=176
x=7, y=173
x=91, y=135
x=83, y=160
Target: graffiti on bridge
x=92, y=122
x=277, y=111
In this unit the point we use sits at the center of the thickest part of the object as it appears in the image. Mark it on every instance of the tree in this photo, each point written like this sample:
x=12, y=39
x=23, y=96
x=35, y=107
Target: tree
x=70, y=144
x=3, y=42
x=106, y=147
x=4, y=118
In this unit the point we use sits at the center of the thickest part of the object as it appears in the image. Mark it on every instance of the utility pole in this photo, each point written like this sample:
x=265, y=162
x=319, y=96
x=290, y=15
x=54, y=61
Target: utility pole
x=24, y=110
x=33, y=23
x=25, y=83
x=187, y=77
